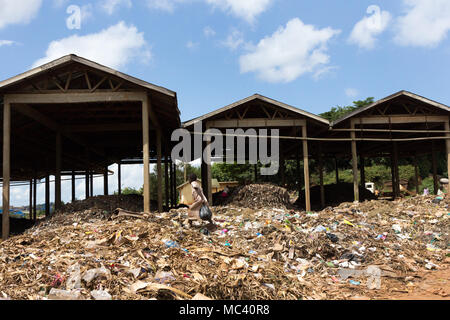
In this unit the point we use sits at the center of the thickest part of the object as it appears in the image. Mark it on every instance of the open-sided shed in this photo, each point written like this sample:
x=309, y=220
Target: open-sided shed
x=75, y=116
x=258, y=112
x=401, y=125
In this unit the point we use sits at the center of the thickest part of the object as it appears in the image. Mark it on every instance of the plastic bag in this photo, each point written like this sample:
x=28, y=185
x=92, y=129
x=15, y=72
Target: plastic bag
x=205, y=213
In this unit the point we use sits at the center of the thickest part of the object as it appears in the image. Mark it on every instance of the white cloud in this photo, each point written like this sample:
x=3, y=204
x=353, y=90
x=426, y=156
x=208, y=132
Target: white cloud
x=351, y=92
x=114, y=47
x=244, y=9
x=209, y=32
x=191, y=45
x=289, y=53
x=425, y=24
x=234, y=40
x=164, y=5
x=6, y=43
x=18, y=12
x=60, y=3
x=247, y=10
x=323, y=71
x=365, y=31
x=110, y=6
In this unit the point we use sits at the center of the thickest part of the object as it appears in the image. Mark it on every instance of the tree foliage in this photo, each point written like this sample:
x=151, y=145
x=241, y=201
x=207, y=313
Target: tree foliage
x=338, y=112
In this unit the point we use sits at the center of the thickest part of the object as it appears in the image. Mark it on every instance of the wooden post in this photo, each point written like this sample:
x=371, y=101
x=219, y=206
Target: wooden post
x=203, y=172
x=355, y=164
x=282, y=169
x=35, y=199
x=91, y=189
x=208, y=191
x=297, y=171
x=416, y=174
x=447, y=147
x=434, y=165
x=175, y=195
x=172, y=204
x=396, y=173
x=159, y=170
x=336, y=167
x=393, y=175
x=173, y=176
x=363, y=170
x=58, y=172
x=166, y=179
x=73, y=188
x=322, y=187
x=146, y=151
x=6, y=167
x=47, y=195
x=105, y=182
x=31, y=200
x=306, y=169
x=119, y=178
x=87, y=184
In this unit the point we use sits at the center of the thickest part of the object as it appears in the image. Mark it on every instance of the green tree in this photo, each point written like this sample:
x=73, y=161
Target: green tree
x=338, y=112
x=128, y=191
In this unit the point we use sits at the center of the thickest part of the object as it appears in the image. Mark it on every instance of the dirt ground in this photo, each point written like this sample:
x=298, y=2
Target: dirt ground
x=435, y=285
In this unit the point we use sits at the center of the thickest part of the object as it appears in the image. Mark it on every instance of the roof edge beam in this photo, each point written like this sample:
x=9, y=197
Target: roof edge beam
x=68, y=98
x=253, y=123
x=398, y=119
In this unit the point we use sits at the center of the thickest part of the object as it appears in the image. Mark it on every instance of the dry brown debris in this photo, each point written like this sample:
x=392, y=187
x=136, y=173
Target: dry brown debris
x=254, y=254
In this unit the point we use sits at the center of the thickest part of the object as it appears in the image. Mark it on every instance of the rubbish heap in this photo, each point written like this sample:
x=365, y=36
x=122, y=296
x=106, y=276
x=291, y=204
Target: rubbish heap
x=369, y=249
x=257, y=196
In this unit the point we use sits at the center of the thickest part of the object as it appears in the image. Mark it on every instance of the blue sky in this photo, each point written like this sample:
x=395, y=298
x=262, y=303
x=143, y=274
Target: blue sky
x=311, y=54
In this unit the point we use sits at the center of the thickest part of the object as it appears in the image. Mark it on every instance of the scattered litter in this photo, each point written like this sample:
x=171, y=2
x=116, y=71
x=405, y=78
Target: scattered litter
x=100, y=295
x=92, y=250
x=58, y=294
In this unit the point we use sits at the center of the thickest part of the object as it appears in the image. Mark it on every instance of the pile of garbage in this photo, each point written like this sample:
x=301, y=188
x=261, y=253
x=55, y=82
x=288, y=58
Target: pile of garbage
x=131, y=202
x=100, y=207
x=369, y=249
x=257, y=196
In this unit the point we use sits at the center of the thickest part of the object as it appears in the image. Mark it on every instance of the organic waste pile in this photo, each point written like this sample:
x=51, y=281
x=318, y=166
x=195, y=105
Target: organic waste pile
x=257, y=196
x=370, y=249
x=105, y=204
